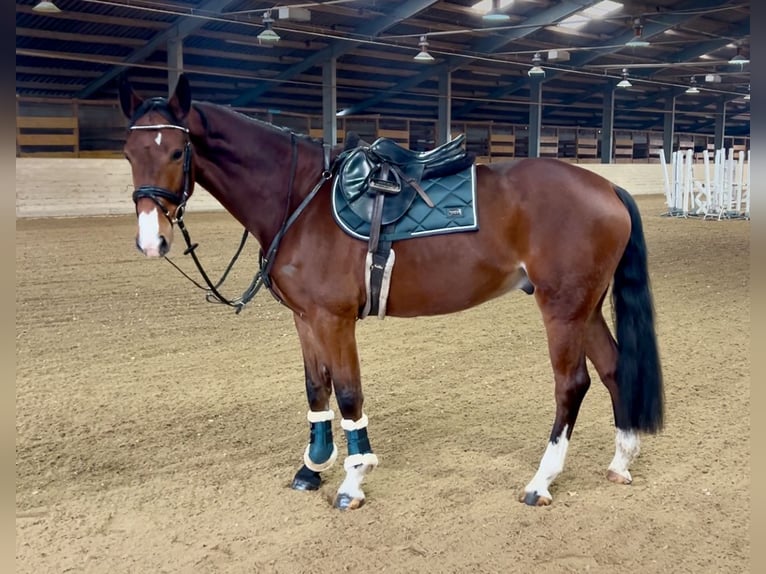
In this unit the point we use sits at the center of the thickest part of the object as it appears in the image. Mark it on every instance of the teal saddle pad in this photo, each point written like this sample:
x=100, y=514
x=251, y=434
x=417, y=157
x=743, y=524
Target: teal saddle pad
x=454, y=199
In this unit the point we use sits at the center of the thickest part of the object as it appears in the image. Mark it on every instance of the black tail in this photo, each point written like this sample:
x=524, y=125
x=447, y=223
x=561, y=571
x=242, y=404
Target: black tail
x=639, y=374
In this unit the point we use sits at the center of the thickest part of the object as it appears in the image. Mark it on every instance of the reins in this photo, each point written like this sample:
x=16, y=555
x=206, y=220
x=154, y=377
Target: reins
x=265, y=262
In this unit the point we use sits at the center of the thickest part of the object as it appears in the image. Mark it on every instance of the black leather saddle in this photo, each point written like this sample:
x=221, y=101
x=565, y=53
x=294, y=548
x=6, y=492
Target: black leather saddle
x=386, y=176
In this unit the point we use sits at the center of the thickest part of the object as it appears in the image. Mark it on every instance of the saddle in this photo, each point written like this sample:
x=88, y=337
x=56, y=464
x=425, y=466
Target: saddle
x=379, y=182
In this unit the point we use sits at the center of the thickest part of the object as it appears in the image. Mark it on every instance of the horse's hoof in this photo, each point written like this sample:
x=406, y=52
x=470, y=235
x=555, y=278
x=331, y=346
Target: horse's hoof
x=346, y=502
x=618, y=478
x=300, y=484
x=306, y=479
x=534, y=499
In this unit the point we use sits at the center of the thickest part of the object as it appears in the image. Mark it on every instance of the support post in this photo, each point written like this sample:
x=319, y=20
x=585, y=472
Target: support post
x=175, y=62
x=720, y=123
x=444, y=122
x=535, y=115
x=607, y=124
x=669, y=122
x=330, y=101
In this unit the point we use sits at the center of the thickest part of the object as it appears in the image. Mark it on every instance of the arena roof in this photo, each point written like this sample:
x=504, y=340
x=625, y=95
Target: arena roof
x=81, y=50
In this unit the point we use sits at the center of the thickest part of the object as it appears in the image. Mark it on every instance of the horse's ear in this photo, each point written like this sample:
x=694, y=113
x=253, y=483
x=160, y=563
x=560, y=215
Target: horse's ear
x=129, y=100
x=180, y=101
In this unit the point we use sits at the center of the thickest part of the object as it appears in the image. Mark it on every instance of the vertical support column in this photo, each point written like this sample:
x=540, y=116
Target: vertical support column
x=330, y=101
x=444, y=121
x=607, y=124
x=668, y=126
x=175, y=62
x=535, y=115
x=720, y=123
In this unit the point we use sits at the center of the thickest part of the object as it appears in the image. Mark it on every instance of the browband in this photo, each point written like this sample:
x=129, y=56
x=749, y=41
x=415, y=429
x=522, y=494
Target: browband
x=159, y=127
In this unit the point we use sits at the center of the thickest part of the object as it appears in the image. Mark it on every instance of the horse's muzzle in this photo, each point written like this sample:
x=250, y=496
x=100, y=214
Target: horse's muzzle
x=160, y=250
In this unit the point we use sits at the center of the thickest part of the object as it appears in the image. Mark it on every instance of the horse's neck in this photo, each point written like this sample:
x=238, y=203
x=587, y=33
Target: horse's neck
x=249, y=177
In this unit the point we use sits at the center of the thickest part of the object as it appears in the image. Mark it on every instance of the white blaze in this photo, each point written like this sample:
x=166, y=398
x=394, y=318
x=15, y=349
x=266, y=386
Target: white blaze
x=149, y=233
x=158, y=139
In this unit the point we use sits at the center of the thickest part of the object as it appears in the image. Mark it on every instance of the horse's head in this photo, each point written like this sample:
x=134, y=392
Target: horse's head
x=160, y=155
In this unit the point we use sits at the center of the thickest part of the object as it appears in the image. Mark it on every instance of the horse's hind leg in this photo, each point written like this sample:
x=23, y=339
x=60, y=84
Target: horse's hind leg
x=601, y=349
x=565, y=345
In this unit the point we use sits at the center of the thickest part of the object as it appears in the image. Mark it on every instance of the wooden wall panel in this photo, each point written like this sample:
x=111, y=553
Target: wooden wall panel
x=82, y=186
x=64, y=187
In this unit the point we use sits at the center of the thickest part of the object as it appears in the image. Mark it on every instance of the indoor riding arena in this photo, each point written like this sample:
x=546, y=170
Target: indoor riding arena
x=158, y=430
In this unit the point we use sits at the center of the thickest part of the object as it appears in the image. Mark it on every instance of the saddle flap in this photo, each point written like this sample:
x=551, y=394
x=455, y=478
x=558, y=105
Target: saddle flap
x=360, y=178
x=354, y=173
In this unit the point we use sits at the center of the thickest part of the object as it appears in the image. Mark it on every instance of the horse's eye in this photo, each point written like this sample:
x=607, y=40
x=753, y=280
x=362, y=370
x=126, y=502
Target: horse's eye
x=177, y=154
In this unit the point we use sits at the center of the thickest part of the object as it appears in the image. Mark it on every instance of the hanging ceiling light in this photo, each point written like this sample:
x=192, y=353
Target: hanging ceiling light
x=692, y=89
x=536, y=70
x=738, y=58
x=625, y=82
x=46, y=6
x=423, y=55
x=268, y=37
x=494, y=14
x=637, y=41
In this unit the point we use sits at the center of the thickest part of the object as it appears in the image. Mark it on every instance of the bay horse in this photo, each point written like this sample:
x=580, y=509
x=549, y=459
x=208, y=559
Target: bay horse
x=558, y=230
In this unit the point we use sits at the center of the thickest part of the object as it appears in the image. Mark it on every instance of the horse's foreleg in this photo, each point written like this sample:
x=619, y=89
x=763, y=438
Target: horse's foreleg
x=330, y=353
x=601, y=349
x=360, y=459
x=571, y=382
x=321, y=451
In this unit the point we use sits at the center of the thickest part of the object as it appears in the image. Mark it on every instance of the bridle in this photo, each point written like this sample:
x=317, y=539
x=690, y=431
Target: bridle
x=155, y=193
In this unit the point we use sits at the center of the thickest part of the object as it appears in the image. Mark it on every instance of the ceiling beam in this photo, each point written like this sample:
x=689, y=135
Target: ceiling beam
x=690, y=53
x=489, y=44
x=684, y=56
x=184, y=26
x=81, y=17
x=651, y=28
x=77, y=37
x=337, y=48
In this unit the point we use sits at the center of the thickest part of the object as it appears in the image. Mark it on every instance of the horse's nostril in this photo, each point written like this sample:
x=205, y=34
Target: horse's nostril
x=164, y=246
x=138, y=245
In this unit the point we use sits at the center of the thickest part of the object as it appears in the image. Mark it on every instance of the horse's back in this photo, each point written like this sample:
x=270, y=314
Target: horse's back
x=564, y=219
x=551, y=180
x=559, y=223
